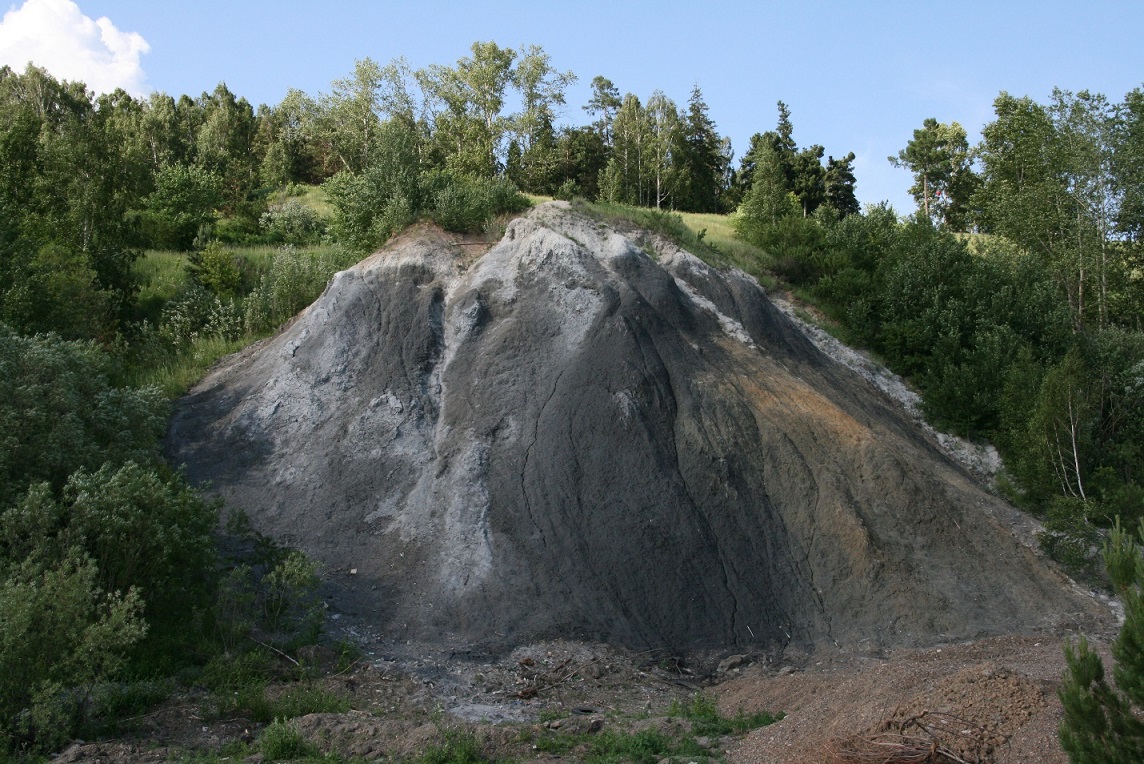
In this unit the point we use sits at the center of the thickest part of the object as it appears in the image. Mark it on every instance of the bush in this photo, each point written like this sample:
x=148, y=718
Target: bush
x=142, y=533
x=463, y=204
x=292, y=222
x=295, y=280
x=59, y=635
x=61, y=412
x=216, y=270
x=196, y=313
x=1102, y=725
x=282, y=740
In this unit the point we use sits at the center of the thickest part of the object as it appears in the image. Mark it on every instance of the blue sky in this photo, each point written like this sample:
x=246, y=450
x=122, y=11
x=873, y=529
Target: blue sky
x=858, y=76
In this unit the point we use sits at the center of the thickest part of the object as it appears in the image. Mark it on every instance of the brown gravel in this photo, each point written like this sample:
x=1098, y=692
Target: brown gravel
x=993, y=700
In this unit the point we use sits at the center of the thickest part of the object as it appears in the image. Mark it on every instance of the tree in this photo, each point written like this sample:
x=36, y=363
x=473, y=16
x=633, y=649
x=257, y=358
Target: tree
x=623, y=178
x=702, y=161
x=809, y=179
x=1044, y=187
x=664, y=123
x=349, y=116
x=1128, y=158
x=1101, y=725
x=224, y=144
x=67, y=180
x=542, y=92
x=185, y=198
x=605, y=102
x=767, y=201
x=839, y=182
x=938, y=156
x=1086, y=125
x=465, y=105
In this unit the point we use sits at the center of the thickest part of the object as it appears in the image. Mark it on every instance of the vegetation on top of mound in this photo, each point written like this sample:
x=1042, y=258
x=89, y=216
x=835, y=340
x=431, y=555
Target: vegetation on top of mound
x=1030, y=337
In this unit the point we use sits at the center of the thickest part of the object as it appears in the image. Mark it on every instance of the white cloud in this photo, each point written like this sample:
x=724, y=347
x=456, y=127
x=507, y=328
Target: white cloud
x=55, y=35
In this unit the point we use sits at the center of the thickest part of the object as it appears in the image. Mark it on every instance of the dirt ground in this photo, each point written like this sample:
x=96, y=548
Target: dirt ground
x=992, y=700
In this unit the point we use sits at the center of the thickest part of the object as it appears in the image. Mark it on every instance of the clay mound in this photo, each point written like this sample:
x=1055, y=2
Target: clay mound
x=572, y=439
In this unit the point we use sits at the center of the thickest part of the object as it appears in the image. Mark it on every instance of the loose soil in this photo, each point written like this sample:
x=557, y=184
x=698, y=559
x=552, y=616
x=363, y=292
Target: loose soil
x=993, y=700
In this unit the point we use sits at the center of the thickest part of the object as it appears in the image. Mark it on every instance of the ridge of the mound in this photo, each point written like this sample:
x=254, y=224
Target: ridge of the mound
x=572, y=438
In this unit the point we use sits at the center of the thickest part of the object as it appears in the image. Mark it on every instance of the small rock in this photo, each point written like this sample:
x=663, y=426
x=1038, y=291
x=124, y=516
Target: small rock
x=732, y=662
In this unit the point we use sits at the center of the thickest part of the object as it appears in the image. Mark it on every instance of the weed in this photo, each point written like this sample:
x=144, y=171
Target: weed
x=551, y=715
x=282, y=740
x=458, y=748
x=707, y=721
x=644, y=747
x=348, y=652
x=303, y=698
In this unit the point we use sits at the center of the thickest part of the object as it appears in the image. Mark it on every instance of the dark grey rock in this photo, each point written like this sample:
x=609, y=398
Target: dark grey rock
x=571, y=439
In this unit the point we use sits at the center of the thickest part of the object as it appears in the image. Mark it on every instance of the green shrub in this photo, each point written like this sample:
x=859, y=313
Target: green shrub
x=283, y=741
x=463, y=204
x=59, y=635
x=216, y=269
x=197, y=314
x=62, y=411
x=293, y=222
x=1103, y=725
x=295, y=279
x=142, y=532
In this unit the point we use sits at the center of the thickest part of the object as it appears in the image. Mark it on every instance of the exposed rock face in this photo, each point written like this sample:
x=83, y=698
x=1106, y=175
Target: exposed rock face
x=571, y=438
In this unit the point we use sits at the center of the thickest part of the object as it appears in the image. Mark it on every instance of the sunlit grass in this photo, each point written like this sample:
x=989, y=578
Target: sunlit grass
x=719, y=234
x=177, y=375
x=314, y=197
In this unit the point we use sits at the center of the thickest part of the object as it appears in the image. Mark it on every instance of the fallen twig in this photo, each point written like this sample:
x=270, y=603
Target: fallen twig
x=275, y=649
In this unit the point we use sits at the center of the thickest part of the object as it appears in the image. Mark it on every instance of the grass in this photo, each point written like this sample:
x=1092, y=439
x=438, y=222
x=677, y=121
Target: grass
x=314, y=197
x=458, y=748
x=719, y=234
x=649, y=746
x=176, y=375
x=708, y=722
x=709, y=237
x=163, y=275
x=283, y=741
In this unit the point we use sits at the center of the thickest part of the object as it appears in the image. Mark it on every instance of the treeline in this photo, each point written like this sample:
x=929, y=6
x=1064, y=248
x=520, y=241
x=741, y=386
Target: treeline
x=87, y=182
x=1013, y=298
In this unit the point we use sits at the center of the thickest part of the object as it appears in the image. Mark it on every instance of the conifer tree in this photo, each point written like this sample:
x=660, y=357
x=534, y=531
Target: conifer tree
x=1102, y=724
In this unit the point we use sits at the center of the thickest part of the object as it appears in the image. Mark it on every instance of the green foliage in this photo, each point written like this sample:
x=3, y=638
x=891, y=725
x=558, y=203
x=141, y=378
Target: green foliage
x=283, y=741
x=293, y=222
x=216, y=270
x=145, y=534
x=197, y=313
x=60, y=633
x=939, y=157
x=185, y=198
x=457, y=203
x=295, y=279
x=708, y=722
x=1102, y=724
x=63, y=412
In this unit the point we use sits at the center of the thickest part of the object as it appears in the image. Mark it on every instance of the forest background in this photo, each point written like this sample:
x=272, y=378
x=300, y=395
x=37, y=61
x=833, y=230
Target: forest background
x=142, y=238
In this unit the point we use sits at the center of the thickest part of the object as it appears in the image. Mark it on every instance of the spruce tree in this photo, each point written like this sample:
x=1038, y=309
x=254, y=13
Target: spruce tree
x=1102, y=724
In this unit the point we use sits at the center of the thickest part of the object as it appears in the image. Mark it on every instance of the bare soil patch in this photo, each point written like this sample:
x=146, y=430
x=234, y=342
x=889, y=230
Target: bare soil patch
x=993, y=700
